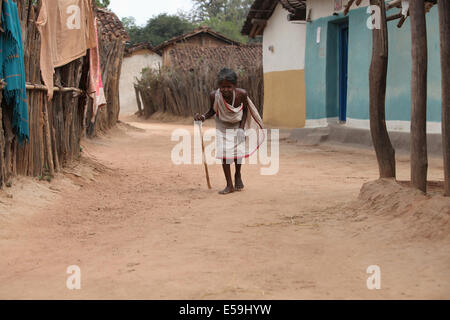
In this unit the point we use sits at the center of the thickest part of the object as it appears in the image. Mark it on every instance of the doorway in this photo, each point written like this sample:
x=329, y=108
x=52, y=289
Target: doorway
x=343, y=70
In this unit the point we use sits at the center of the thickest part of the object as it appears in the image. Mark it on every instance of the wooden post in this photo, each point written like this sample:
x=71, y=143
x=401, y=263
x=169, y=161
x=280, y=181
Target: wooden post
x=444, y=23
x=55, y=150
x=41, y=138
x=347, y=7
x=377, y=88
x=208, y=182
x=48, y=139
x=2, y=147
x=138, y=100
x=419, y=54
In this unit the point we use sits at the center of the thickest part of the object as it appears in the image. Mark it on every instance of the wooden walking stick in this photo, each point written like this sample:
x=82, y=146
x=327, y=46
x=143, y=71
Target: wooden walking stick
x=204, y=157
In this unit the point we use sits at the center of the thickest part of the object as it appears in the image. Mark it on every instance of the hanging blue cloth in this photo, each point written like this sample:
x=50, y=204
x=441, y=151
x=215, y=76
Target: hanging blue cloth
x=12, y=69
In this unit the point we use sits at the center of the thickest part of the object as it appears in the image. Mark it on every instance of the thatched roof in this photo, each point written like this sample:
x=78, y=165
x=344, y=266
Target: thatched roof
x=110, y=25
x=293, y=5
x=189, y=58
x=196, y=32
x=262, y=10
x=139, y=46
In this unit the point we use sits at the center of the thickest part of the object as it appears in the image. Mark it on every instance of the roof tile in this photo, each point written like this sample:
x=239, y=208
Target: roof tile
x=110, y=26
x=241, y=57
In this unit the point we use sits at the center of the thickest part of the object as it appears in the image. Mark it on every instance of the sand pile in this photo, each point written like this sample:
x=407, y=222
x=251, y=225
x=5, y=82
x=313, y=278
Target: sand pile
x=422, y=215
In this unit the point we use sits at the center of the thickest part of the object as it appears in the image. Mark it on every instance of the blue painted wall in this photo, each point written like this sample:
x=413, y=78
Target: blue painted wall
x=321, y=68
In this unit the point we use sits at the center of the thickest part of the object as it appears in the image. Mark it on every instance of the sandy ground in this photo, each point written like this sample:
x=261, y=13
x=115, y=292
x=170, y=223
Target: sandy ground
x=140, y=227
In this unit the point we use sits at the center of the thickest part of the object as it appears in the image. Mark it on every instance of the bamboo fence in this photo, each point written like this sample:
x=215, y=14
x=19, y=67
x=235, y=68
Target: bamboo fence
x=184, y=92
x=56, y=126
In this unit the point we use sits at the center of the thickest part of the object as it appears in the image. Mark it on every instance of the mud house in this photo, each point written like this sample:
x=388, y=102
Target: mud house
x=335, y=52
x=201, y=37
x=184, y=89
x=283, y=28
x=137, y=57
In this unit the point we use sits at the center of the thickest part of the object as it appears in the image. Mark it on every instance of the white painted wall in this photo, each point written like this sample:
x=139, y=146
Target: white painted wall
x=325, y=8
x=131, y=69
x=288, y=40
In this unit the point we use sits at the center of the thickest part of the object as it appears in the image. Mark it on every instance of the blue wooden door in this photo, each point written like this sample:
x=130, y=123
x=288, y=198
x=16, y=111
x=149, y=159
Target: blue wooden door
x=343, y=70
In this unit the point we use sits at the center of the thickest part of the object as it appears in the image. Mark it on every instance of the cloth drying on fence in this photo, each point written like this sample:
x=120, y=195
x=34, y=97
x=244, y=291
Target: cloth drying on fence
x=229, y=144
x=95, y=77
x=13, y=70
x=67, y=31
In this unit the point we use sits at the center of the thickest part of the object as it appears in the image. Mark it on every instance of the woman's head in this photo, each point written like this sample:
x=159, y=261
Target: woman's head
x=227, y=79
x=228, y=75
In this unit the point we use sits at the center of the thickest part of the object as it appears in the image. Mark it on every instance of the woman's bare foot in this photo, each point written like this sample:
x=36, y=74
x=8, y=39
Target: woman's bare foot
x=227, y=190
x=238, y=184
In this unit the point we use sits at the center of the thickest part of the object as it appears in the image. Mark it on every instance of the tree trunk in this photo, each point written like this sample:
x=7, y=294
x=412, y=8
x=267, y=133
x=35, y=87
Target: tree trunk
x=377, y=79
x=2, y=144
x=138, y=100
x=48, y=140
x=419, y=161
x=444, y=22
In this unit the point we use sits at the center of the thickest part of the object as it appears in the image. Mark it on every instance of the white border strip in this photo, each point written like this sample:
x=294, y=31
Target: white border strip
x=392, y=125
x=319, y=123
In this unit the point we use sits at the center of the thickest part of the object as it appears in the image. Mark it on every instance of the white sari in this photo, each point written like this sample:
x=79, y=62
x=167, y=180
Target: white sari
x=228, y=120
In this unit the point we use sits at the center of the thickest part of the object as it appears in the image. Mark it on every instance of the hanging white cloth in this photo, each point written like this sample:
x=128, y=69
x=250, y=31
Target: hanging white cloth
x=405, y=7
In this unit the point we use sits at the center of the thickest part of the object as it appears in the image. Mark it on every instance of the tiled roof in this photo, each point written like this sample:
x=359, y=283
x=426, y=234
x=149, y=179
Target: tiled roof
x=139, y=46
x=293, y=5
x=260, y=9
x=263, y=10
x=110, y=26
x=204, y=30
x=193, y=57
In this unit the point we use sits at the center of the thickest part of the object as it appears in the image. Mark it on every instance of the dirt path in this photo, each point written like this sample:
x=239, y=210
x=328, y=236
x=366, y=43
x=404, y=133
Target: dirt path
x=143, y=228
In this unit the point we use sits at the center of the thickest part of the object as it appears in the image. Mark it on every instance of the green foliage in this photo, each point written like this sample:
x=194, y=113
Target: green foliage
x=158, y=29
x=225, y=10
x=227, y=28
x=103, y=3
x=164, y=27
x=135, y=32
x=224, y=16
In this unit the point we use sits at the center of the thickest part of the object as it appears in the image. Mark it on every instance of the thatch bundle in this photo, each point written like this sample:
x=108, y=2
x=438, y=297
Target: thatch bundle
x=112, y=41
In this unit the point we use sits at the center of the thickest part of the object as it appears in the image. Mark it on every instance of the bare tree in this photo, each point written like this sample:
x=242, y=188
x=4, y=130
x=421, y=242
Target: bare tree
x=377, y=82
x=444, y=22
x=419, y=54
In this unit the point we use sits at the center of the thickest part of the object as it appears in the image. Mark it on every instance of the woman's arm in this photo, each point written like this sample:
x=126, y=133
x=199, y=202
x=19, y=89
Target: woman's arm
x=211, y=112
x=245, y=111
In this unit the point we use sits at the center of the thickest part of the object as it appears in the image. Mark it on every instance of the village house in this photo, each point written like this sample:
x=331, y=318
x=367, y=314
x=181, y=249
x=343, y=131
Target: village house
x=282, y=25
x=196, y=71
x=137, y=57
x=191, y=57
x=316, y=69
x=201, y=37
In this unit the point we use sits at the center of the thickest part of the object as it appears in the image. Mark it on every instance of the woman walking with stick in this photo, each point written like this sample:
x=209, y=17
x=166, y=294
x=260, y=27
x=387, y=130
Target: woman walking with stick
x=234, y=114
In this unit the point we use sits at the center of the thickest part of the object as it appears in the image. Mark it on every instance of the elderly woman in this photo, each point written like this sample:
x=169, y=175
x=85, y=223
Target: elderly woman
x=234, y=114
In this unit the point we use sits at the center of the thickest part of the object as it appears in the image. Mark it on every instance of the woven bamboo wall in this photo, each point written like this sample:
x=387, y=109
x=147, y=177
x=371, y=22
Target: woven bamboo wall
x=57, y=126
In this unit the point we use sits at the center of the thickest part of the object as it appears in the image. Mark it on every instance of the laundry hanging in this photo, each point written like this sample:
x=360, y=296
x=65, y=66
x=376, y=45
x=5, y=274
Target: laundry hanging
x=95, y=77
x=13, y=70
x=67, y=31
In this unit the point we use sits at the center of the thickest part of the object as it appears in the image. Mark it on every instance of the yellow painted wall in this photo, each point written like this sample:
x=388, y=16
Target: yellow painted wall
x=285, y=99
